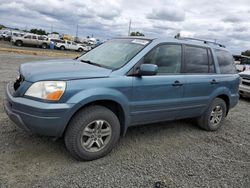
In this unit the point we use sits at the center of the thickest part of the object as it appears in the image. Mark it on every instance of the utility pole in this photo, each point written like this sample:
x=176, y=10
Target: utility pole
x=51, y=28
x=129, y=27
x=77, y=31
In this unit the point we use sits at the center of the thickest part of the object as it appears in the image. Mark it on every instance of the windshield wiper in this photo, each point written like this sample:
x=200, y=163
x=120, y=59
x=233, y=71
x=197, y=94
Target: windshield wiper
x=91, y=63
x=96, y=64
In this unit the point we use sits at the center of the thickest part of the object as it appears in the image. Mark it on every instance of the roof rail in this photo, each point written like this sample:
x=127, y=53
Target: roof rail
x=201, y=40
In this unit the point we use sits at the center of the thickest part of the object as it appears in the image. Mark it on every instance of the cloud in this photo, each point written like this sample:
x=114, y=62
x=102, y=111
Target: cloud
x=173, y=14
x=225, y=21
x=232, y=19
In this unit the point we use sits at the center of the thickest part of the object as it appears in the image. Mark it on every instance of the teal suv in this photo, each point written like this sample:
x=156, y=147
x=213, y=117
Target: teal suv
x=91, y=100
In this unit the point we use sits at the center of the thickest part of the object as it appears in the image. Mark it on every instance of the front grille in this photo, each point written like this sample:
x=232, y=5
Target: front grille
x=245, y=76
x=246, y=83
x=18, y=82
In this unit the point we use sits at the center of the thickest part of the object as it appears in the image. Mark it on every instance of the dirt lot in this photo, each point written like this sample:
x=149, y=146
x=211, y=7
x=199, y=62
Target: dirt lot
x=6, y=46
x=176, y=154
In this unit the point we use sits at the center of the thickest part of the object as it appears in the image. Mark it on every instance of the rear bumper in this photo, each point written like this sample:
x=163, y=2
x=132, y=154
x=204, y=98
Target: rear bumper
x=48, y=119
x=244, y=90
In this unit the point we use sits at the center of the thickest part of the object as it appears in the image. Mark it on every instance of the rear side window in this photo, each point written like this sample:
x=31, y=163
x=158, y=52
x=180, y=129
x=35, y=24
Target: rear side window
x=196, y=60
x=226, y=62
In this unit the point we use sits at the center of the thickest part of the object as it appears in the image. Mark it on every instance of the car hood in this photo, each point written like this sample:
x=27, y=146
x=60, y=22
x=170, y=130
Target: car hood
x=62, y=69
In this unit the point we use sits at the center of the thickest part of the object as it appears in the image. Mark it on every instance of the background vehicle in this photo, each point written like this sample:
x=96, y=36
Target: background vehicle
x=93, y=99
x=245, y=84
x=243, y=63
x=69, y=45
x=5, y=35
x=31, y=40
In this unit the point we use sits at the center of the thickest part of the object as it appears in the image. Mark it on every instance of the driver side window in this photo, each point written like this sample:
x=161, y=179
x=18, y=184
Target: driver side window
x=167, y=57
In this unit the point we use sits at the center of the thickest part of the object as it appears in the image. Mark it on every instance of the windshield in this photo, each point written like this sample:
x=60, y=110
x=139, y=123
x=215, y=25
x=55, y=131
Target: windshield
x=115, y=53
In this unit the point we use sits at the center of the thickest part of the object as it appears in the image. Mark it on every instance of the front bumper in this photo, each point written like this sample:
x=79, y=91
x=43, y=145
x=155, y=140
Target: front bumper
x=48, y=119
x=244, y=90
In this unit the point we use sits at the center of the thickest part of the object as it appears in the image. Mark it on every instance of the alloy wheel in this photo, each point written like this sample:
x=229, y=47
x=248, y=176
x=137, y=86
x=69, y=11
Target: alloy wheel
x=216, y=115
x=96, y=135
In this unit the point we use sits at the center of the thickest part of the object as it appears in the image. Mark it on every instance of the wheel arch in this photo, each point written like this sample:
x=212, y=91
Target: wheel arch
x=225, y=98
x=116, y=107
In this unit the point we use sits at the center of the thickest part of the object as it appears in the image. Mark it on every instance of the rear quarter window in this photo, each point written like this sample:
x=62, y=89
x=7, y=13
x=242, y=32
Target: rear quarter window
x=225, y=61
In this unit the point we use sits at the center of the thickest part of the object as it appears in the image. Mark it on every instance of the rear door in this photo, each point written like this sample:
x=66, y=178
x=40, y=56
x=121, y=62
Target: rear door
x=34, y=40
x=74, y=46
x=157, y=98
x=68, y=45
x=201, y=80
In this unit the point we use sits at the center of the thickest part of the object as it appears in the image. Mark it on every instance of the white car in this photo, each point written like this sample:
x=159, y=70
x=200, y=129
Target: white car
x=69, y=45
x=244, y=89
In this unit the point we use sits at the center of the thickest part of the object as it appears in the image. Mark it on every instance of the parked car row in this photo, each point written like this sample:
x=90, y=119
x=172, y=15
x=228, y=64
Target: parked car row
x=7, y=34
x=20, y=38
x=45, y=42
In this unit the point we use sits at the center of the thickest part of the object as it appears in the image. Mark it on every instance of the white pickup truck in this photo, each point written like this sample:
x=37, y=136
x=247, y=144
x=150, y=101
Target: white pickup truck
x=69, y=45
x=243, y=64
x=245, y=84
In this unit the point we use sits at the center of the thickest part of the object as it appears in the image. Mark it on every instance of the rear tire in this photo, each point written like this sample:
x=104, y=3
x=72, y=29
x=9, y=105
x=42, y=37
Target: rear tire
x=92, y=133
x=44, y=46
x=80, y=50
x=214, y=116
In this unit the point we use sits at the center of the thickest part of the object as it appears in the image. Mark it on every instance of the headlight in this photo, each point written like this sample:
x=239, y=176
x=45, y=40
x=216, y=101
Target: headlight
x=48, y=90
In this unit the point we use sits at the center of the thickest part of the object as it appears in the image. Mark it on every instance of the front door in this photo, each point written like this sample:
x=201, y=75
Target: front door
x=157, y=98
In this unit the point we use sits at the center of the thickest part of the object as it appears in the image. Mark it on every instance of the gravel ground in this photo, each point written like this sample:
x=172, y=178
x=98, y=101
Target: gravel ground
x=174, y=154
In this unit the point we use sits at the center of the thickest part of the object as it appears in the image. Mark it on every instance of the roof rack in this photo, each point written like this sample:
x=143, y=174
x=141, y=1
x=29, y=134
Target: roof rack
x=201, y=40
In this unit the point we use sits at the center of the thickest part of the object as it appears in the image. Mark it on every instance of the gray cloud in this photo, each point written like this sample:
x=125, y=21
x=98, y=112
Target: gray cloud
x=225, y=21
x=172, y=14
x=232, y=19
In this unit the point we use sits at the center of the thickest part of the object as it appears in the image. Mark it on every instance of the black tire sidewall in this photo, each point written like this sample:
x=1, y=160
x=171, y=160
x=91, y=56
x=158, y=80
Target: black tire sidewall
x=216, y=102
x=19, y=43
x=44, y=46
x=95, y=113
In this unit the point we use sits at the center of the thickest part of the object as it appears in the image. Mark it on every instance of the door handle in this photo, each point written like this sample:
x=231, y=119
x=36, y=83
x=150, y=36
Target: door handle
x=214, y=82
x=177, y=83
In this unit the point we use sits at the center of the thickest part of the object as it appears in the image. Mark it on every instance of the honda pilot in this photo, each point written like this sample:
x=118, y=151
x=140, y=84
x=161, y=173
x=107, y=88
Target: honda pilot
x=91, y=100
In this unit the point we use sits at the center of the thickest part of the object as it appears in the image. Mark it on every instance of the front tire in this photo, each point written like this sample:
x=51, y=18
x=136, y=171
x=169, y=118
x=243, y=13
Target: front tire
x=62, y=48
x=80, y=50
x=214, y=116
x=92, y=133
x=19, y=43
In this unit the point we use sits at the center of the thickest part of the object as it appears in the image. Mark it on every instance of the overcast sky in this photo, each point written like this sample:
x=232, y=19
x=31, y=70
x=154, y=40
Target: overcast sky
x=226, y=21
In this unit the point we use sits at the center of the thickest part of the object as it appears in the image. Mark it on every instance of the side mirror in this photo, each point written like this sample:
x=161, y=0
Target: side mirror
x=148, y=70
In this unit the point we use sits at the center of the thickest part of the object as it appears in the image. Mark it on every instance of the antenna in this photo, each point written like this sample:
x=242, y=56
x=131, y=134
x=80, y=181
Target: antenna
x=76, y=30
x=129, y=27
